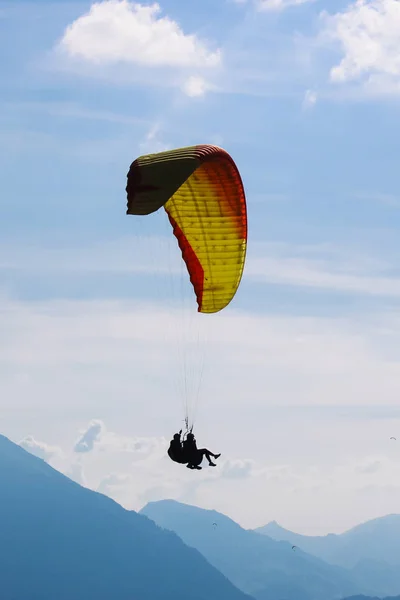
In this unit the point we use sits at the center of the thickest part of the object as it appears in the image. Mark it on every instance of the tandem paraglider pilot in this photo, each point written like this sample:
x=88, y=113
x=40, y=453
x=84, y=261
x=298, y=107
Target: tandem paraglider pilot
x=186, y=452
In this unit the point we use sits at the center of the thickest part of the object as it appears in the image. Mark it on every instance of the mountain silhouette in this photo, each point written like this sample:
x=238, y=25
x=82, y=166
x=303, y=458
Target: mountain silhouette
x=259, y=565
x=370, y=598
x=370, y=550
x=60, y=541
x=376, y=540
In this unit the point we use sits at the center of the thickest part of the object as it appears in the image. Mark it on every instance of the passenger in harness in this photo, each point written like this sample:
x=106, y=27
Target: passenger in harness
x=187, y=453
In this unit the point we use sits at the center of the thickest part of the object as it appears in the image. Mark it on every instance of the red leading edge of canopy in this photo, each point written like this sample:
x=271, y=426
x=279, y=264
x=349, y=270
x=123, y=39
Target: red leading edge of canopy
x=195, y=270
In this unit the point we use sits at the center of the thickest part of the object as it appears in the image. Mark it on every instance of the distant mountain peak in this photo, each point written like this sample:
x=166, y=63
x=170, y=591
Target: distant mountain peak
x=189, y=511
x=272, y=526
x=266, y=568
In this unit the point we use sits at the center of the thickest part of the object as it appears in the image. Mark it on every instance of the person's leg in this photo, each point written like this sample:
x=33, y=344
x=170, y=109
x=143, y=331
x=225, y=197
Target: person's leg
x=204, y=452
x=209, y=453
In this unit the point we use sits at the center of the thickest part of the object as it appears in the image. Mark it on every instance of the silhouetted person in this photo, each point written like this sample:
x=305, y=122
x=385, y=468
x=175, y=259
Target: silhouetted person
x=194, y=456
x=175, y=450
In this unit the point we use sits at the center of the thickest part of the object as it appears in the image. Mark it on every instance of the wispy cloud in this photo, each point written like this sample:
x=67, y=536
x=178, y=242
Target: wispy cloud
x=310, y=99
x=73, y=110
x=338, y=269
x=40, y=449
x=273, y=5
x=278, y=5
x=97, y=339
x=75, y=471
x=290, y=265
x=153, y=141
x=390, y=200
x=20, y=140
x=134, y=254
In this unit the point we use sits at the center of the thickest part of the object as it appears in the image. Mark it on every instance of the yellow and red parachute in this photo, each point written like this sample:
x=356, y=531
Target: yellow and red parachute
x=202, y=192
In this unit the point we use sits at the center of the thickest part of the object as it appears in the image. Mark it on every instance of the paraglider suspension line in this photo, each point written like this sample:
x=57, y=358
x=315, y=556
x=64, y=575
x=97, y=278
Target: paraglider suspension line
x=189, y=429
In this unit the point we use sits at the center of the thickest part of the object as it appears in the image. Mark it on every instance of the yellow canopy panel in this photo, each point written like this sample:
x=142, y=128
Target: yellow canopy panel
x=202, y=192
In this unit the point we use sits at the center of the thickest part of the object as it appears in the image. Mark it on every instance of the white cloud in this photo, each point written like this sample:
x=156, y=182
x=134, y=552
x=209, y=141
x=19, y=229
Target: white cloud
x=139, y=446
x=237, y=469
x=116, y=31
x=368, y=32
x=278, y=5
x=195, y=86
x=90, y=437
x=111, y=484
x=370, y=465
x=40, y=449
x=274, y=5
x=112, y=461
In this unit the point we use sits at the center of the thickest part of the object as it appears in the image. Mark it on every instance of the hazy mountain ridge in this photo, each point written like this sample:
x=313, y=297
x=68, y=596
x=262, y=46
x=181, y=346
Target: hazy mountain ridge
x=350, y=547
x=370, y=598
x=60, y=540
x=370, y=550
x=261, y=566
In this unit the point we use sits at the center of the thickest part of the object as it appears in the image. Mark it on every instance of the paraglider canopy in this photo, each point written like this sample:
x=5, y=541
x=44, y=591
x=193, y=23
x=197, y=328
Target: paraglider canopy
x=202, y=192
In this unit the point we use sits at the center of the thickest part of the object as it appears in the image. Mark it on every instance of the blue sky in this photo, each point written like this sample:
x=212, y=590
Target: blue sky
x=305, y=97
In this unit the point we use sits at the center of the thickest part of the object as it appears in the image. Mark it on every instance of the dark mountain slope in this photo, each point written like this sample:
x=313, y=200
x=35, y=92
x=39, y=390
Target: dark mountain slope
x=370, y=598
x=61, y=541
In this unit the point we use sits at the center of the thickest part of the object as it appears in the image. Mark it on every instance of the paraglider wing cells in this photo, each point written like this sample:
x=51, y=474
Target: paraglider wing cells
x=202, y=192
